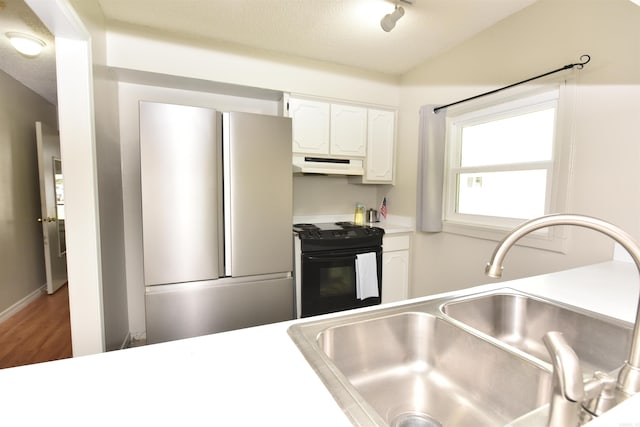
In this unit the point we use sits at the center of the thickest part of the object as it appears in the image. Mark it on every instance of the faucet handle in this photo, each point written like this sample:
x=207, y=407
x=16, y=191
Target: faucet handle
x=600, y=395
x=567, y=384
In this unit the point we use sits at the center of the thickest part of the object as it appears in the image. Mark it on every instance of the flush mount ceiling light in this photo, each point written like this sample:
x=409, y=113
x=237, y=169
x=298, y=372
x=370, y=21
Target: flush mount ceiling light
x=26, y=44
x=636, y=2
x=388, y=22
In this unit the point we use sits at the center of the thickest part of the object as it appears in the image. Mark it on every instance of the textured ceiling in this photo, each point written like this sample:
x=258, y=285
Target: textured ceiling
x=344, y=32
x=38, y=74
x=340, y=31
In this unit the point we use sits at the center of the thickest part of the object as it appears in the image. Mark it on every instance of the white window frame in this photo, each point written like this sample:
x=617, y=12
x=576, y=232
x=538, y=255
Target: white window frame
x=522, y=99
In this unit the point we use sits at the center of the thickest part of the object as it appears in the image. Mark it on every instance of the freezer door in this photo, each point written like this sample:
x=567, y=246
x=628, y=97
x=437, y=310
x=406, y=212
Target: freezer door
x=258, y=194
x=181, y=192
x=176, y=311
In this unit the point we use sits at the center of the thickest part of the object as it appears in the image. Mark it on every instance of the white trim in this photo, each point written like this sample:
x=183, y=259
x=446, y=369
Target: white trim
x=74, y=68
x=550, y=239
x=558, y=170
x=7, y=313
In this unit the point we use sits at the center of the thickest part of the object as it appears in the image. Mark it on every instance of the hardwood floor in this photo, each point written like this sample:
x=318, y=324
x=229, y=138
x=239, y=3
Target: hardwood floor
x=39, y=332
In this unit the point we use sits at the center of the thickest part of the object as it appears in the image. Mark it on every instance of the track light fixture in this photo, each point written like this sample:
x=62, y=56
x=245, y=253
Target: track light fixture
x=388, y=22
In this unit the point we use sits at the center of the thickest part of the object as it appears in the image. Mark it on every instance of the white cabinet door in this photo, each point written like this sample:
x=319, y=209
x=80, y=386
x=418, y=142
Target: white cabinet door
x=310, y=126
x=348, y=130
x=380, y=146
x=395, y=276
x=395, y=267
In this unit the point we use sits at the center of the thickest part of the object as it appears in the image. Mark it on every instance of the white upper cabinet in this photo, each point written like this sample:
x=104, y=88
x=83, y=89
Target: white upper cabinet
x=348, y=130
x=380, y=146
x=310, y=126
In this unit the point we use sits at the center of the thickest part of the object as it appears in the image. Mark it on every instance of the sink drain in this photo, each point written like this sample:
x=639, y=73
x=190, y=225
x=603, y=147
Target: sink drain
x=414, y=419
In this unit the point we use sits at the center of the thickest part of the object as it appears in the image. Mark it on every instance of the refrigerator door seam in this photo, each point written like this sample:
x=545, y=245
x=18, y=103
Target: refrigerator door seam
x=226, y=179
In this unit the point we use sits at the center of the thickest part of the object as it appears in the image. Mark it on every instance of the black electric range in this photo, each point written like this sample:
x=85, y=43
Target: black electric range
x=327, y=278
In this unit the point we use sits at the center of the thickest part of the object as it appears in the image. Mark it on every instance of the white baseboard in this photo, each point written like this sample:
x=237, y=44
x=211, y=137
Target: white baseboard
x=22, y=303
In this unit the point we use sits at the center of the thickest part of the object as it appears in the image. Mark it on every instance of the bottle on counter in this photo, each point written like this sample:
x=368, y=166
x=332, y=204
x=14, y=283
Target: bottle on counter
x=359, y=215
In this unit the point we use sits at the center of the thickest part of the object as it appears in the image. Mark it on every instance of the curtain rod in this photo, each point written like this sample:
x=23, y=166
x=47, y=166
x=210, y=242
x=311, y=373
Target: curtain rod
x=578, y=65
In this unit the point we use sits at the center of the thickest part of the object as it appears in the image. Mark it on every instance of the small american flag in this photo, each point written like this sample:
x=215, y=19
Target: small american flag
x=383, y=208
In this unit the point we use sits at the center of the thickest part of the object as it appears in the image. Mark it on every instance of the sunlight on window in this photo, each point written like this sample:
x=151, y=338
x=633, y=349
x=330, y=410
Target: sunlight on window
x=523, y=138
x=508, y=160
x=501, y=161
x=512, y=194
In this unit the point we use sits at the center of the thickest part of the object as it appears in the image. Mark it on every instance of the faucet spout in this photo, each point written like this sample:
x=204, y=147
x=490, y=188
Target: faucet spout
x=629, y=376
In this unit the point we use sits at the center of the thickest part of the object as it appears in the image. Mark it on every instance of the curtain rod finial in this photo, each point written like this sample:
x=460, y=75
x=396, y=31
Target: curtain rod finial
x=585, y=60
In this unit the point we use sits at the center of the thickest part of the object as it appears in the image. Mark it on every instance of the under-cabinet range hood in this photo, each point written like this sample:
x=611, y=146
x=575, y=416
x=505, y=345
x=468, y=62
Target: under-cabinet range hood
x=327, y=166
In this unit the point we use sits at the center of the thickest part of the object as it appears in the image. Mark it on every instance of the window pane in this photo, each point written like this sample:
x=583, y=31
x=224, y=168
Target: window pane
x=523, y=138
x=514, y=194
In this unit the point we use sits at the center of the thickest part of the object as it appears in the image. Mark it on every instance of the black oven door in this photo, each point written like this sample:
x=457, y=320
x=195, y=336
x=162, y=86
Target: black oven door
x=329, y=281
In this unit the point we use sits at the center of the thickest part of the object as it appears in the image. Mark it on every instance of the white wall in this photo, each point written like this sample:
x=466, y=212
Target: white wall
x=330, y=195
x=604, y=174
x=134, y=49
x=21, y=247
x=109, y=180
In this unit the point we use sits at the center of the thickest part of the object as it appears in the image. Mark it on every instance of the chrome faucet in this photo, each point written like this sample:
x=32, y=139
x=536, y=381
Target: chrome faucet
x=629, y=376
x=574, y=401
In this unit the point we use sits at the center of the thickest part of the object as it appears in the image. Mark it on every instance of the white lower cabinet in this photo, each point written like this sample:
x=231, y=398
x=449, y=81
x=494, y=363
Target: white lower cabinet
x=395, y=267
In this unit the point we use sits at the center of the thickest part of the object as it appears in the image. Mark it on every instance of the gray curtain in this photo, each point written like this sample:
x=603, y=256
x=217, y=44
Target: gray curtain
x=430, y=169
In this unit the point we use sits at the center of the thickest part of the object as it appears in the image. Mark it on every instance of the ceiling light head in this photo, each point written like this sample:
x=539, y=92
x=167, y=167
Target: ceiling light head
x=389, y=21
x=26, y=44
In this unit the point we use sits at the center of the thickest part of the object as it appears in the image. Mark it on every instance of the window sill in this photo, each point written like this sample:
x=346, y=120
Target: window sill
x=551, y=239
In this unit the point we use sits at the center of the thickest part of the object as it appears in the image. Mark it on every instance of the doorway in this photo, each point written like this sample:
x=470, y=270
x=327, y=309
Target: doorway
x=28, y=88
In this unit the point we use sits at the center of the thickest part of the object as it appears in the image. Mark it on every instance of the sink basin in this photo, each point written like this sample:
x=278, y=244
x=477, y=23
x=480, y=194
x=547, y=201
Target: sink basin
x=412, y=368
x=521, y=321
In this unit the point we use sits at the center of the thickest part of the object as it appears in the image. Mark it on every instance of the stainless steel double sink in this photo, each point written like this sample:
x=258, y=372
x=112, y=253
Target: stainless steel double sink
x=473, y=360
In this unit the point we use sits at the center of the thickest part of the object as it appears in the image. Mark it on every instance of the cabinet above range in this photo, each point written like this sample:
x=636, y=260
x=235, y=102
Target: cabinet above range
x=344, y=139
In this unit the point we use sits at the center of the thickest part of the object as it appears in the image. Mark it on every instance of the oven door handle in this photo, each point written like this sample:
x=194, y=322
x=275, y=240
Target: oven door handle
x=337, y=258
x=329, y=258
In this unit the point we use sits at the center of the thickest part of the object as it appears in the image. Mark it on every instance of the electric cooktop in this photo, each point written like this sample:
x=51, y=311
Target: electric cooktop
x=335, y=230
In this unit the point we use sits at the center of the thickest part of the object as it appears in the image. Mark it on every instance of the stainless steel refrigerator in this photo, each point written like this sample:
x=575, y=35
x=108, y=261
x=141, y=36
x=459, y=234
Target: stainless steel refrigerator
x=216, y=215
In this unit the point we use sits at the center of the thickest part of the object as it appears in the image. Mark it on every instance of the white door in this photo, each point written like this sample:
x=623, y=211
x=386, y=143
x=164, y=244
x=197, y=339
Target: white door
x=52, y=206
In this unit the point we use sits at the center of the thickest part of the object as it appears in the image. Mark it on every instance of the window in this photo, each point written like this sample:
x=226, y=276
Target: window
x=507, y=162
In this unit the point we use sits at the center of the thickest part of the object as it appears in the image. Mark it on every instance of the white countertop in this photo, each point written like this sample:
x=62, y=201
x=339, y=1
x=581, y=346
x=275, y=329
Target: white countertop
x=250, y=377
